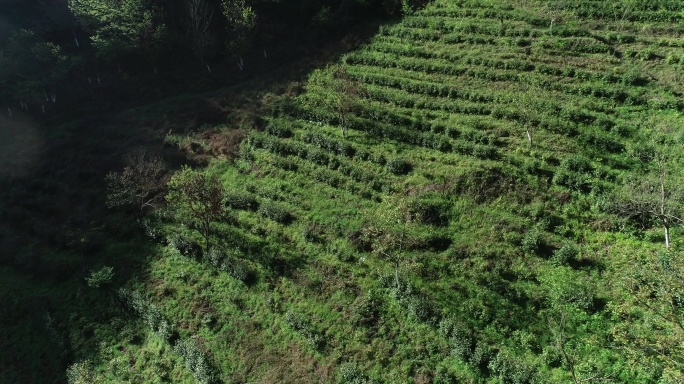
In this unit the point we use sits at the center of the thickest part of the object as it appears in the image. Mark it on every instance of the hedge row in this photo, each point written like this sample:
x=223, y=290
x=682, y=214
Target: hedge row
x=422, y=87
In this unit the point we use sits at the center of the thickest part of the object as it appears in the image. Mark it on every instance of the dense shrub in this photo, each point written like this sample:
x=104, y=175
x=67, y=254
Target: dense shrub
x=275, y=212
x=511, y=370
x=366, y=310
x=242, y=200
x=460, y=336
x=277, y=130
x=399, y=166
x=196, y=360
x=350, y=374
x=303, y=326
x=230, y=264
x=150, y=313
x=185, y=246
x=532, y=240
x=574, y=172
x=431, y=210
x=102, y=276
x=566, y=254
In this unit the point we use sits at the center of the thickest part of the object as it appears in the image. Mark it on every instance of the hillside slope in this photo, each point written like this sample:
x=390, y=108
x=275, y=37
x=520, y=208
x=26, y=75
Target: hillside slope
x=441, y=206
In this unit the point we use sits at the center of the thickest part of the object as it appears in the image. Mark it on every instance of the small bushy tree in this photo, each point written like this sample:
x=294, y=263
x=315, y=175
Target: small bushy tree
x=335, y=93
x=198, y=198
x=139, y=184
x=656, y=194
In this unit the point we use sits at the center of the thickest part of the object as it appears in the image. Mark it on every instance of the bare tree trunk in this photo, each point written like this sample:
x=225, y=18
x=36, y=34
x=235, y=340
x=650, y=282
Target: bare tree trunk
x=529, y=136
x=662, y=207
x=667, y=236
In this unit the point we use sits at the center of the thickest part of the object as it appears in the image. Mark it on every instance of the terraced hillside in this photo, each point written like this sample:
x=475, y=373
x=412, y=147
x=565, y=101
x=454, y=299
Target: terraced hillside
x=441, y=206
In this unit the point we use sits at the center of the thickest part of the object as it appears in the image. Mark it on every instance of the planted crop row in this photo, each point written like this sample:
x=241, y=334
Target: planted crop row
x=426, y=139
x=408, y=50
x=576, y=45
x=477, y=26
x=630, y=78
x=380, y=113
x=646, y=11
x=603, y=91
x=406, y=63
x=422, y=87
x=342, y=178
x=407, y=100
x=414, y=34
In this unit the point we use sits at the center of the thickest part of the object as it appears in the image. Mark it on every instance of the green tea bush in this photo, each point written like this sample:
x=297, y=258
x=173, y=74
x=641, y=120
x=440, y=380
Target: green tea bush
x=242, y=200
x=185, y=246
x=350, y=374
x=229, y=264
x=460, y=337
x=566, y=254
x=510, y=369
x=366, y=311
x=532, y=240
x=430, y=209
x=602, y=142
x=421, y=308
x=318, y=157
x=196, y=360
x=150, y=313
x=100, y=277
x=275, y=212
x=312, y=233
x=482, y=355
x=277, y=130
x=303, y=327
x=574, y=172
x=399, y=166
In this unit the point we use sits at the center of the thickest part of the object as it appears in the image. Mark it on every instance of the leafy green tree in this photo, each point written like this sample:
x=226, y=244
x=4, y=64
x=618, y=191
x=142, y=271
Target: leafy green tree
x=335, y=93
x=119, y=27
x=528, y=106
x=648, y=311
x=30, y=67
x=241, y=19
x=198, y=198
x=392, y=232
x=655, y=194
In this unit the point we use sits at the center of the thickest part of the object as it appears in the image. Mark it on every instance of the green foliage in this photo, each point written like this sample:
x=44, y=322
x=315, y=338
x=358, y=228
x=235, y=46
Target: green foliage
x=349, y=373
x=275, y=212
x=29, y=65
x=399, y=166
x=566, y=254
x=149, y=312
x=574, y=172
x=100, y=277
x=242, y=200
x=460, y=337
x=303, y=326
x=196, y=360
x=82, y=373
x=230, y=264
x=421, y=243
x=650, y=311
x=120, y=27
x=199, y=199
x=511, y=370
x=241, y=17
